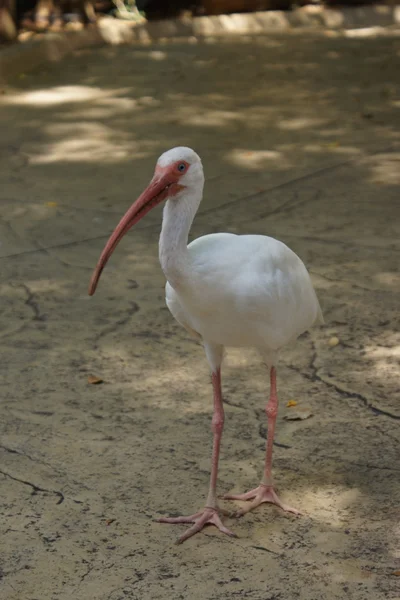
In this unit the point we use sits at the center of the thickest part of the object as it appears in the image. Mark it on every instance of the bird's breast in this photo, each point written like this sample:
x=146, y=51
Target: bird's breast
x=218, y=317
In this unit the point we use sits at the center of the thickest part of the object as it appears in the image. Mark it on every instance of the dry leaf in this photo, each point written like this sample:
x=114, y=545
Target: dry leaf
x=291, y=403
x=94, y=380
x=396, y=573
x=109, y=521
x=334, y=341
x=300, y=414
x=51, y=204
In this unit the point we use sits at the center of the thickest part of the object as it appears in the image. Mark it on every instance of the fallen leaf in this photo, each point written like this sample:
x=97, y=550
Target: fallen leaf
x=291, y=403
x=94, y=380
x=51, y=204
x=334, y=341
x=396, y=573
x=109, y=521
x=300, y=414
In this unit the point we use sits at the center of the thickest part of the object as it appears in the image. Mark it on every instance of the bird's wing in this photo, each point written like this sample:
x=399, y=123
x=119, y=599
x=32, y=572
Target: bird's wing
x=253, y=285
x=320, y=317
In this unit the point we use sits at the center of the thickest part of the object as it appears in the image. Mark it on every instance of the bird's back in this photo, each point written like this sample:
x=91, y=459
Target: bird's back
x=245, y=290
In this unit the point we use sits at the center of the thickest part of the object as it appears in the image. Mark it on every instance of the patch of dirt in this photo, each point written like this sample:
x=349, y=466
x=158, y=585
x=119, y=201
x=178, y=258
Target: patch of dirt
x=280, y=124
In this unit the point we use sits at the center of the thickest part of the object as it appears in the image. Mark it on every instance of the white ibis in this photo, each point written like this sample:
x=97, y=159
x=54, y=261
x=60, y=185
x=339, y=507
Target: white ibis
x=226, y=290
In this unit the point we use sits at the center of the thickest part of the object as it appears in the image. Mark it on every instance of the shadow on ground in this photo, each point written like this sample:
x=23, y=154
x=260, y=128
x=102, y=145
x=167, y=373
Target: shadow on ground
x=299, y=139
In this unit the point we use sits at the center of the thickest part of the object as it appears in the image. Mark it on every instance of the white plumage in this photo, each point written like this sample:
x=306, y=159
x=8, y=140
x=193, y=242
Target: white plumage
x=252, y=290
x=227, y=290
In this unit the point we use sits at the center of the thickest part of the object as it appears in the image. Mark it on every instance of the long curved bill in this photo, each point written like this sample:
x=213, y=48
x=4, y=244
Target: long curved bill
x=154, y=194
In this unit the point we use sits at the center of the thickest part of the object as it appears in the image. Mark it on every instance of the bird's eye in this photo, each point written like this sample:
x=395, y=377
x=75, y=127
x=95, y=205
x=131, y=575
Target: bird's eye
x=181, y=167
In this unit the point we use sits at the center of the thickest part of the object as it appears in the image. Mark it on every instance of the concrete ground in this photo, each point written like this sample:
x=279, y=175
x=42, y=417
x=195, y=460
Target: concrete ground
x=299, y=136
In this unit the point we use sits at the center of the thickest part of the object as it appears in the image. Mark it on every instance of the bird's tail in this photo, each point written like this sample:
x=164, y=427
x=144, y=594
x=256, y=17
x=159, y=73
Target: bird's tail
x=320, y=317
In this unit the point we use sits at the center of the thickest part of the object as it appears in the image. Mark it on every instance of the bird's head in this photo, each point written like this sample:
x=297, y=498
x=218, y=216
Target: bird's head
x=183, y=167
x=177, y=170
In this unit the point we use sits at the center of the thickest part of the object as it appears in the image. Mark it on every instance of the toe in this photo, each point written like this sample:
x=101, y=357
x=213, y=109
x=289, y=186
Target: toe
x=289, y=509
x=215, y=520
x=208, y=516
x=189, y=532
x=243, y=511
x=226, y=513
x=227, y=531
x=247, y=496
x=173, y=520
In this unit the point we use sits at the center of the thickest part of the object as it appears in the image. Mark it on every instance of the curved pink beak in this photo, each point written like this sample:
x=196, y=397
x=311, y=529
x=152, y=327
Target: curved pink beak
x=154, y=194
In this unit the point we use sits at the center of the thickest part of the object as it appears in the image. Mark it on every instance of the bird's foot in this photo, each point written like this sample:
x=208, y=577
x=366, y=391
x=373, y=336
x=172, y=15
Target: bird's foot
x=207, y=516
x=262, y=493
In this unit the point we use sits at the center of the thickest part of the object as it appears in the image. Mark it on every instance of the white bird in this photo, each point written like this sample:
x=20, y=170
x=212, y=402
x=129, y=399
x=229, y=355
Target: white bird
x=226, y=290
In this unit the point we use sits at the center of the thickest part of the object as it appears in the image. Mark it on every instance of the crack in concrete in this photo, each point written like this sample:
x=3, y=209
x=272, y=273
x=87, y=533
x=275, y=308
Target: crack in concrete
x=157, y=226
x=364, y=400
x=89, y=569
x=262, y=432
x=35, y=488
x=287, y=206
x=31, y=302
x=230, y=403
x=228, y=204
x=62, y=262
x=45, y=250
x=133, y=308
x=316, y=376
x=266, y=550
x=280, y=186
x=35, y=460
x=12, y=451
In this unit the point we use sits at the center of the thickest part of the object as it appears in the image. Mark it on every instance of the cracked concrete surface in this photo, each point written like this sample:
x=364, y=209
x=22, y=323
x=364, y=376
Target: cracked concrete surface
x=299, y=141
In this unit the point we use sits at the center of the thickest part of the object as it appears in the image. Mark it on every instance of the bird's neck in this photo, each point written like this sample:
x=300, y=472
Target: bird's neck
x=173, y=252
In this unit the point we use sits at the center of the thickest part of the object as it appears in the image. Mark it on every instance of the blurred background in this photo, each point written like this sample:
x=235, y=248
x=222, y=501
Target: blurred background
x=21, y=16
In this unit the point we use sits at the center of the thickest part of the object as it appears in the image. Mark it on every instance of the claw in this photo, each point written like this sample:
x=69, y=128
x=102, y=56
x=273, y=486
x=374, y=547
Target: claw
x=208, y=516
x=263, y=493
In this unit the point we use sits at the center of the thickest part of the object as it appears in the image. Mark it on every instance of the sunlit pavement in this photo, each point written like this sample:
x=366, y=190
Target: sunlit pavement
x=299, y=136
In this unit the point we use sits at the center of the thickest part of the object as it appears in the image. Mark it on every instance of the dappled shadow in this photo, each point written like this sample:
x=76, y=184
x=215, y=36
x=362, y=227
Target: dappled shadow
x=298, y=142
x=111, y=113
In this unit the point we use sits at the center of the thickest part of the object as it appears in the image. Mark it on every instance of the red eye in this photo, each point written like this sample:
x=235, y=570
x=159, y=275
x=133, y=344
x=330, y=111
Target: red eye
x=181, y=167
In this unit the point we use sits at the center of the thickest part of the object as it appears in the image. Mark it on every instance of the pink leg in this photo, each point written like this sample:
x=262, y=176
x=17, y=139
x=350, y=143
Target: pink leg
x=209, y=515
x=265, y=491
